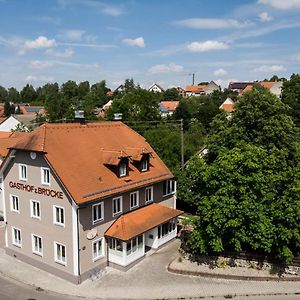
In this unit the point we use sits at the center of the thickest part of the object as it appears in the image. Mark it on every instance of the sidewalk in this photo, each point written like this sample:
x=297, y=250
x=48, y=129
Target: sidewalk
x=147, y=280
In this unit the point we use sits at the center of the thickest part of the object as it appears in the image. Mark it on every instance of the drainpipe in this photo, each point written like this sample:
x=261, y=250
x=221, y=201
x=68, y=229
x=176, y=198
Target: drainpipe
x=79, y=271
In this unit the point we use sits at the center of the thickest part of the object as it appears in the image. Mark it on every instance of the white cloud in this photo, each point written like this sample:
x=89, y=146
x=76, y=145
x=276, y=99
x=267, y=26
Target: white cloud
x=265, y=17
x=268, y=69
x=225, y=82
x=42, y=78
x=297, y=57
x=72, y=35
x=163, y=68
x=206, y=46
x=220, y=72
x=66, y=53
x=114, y=11
x=281, y=4
x=38, y=64
x=138, y=42
x=213, y=23
x=40, y=42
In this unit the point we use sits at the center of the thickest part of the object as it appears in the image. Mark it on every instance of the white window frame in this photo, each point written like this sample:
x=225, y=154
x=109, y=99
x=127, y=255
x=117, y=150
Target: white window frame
x=56, y=258
x=33, y=236
x=147, y=189
x=123, y=174
x=102, y=213
x=32, y=209
x=137, y=199
x=21, y=166
x=12, y=203
x=54, y=216
x=13, y=237
x=43, y=170
x=121, y=206
x=145, y=165
x=168, y=187
x=99, y=255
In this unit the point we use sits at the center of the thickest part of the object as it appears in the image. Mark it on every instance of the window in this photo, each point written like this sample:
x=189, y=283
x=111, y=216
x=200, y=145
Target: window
x=60, y=253
x=123, y=169
x=16, y=237
x=45, y=173
x=134, y=200
x=35, y=209
x=22, y=172
x=166, y=228
x=149, y=194
x=14, y=203
x=117, y=206
x=98, y=214
x=59, y=215
x=134, y=244
x=98, y=249
x=116, y=246
x=169, y=187
x=37, y=247
x=144, y=164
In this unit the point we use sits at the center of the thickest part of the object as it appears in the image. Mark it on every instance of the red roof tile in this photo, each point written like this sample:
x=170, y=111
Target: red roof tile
x=139, y=221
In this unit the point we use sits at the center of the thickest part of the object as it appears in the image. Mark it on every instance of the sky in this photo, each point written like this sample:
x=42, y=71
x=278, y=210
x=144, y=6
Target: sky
x=157, y=41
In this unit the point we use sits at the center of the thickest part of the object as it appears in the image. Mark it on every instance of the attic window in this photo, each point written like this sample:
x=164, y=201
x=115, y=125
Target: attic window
x=123, y=168
x=145, y=163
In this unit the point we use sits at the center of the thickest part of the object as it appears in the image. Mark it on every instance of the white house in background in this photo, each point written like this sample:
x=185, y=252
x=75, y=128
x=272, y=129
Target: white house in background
x=156, y=88
x=200, y=90
x=12, y=122
x=167, y=108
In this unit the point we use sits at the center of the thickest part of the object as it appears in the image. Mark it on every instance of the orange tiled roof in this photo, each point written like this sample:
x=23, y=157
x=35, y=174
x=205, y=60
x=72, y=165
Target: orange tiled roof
x=267, y=84
x=195, y=88
x=8, y=139
x=141, y=220
x=170, y=105
x=76, y=153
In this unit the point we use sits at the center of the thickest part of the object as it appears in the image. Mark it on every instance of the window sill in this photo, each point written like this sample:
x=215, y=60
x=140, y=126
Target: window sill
x=166, y=195
x=98, y=221
x=17, y=245
x=61, y=263
x=134, y=207
x=15, y=211
x=38, y=254
x=98, y=258
x=117, y=214
x=59, y=224
x=148, y=202
x=36, y=218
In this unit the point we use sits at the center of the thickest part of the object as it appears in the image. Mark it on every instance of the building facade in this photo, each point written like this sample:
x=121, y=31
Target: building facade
x=78, y=198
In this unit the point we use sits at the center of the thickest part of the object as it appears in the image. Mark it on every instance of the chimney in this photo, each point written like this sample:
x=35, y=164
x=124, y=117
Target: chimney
x=118, y=117
x=79, y=117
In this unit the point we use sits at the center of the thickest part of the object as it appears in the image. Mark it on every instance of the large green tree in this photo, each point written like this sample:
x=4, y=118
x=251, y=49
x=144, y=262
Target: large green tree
x=28, y=94
x=245, y=189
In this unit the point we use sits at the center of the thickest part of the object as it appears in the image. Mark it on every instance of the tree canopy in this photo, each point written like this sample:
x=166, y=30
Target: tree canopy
x=245, y=189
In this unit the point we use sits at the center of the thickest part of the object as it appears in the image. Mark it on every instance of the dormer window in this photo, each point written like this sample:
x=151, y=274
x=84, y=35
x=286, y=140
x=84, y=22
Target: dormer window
x=144, y=163
x=123, y=168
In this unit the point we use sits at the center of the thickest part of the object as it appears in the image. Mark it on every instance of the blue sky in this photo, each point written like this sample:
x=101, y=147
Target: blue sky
x=162, y=41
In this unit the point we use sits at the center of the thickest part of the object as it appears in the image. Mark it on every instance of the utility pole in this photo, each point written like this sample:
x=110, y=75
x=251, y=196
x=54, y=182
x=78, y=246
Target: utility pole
x=193, y=78
x=182, y=146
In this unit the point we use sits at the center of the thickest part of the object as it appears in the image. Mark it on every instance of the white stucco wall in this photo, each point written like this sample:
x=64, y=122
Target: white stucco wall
x=9, y=124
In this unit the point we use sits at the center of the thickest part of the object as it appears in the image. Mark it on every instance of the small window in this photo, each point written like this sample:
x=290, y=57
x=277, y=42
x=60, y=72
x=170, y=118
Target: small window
x=169, y=187
x=98, y=249
x=16, y=237
x=14, y=203
x=98, y=214
x=37, y=246
x=144, y=164
x=22, y=172
x=117, y=206
x=45, y=173
x=149, y=194
x=123, y=169
x=35, y=209
x=134, y=200
x=59, y=215
x=60, y=253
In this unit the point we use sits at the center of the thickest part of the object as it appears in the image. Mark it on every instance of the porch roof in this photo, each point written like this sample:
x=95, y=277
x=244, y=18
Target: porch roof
x=134, y=223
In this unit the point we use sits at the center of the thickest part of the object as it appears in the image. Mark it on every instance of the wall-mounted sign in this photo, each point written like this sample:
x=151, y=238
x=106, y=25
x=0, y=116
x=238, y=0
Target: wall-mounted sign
x=36, y=190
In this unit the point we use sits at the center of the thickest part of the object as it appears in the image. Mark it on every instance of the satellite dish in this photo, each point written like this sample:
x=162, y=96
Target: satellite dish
x=33, y=155
x=91, y=234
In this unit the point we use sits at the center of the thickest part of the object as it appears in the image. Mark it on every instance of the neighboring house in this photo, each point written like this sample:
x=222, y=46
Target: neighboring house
x=156, y=88
x=238, y=86
x=227, y=105
x=32, y=110
x=198, y=90
x=79, y=198
x=181, y=91
x=13, y=121
x=104, y=109
x=273, y=87
x=167, y=108
x=7, y=139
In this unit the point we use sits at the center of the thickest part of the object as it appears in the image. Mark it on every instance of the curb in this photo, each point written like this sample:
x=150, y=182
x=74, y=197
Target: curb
x=229, y=277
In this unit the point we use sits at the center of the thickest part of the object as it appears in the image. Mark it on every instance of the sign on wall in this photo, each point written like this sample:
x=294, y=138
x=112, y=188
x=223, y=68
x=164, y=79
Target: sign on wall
x=36, y=190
